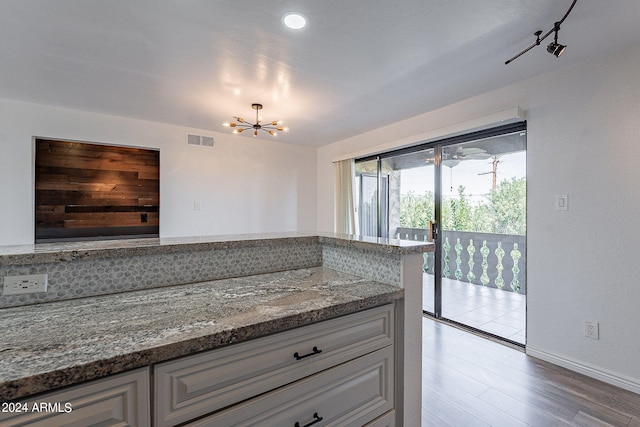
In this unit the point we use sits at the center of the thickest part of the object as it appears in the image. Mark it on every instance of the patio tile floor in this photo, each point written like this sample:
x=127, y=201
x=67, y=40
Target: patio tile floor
x=498, y=312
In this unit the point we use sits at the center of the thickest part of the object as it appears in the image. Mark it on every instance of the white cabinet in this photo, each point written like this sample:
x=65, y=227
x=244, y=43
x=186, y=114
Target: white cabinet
x=119, y=400
x=349, y=395
x=194, y=386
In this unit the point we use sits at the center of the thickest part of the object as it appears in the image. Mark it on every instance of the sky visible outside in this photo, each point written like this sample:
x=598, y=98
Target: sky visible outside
x=466, y=173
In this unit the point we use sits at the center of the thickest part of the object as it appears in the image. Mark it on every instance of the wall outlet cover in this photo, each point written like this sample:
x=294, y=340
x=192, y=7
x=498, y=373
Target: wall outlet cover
x=591, y=330
x=26, y=284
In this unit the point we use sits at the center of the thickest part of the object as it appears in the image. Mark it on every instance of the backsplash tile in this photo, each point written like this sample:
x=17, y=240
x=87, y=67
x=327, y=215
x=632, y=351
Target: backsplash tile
x=98, y=268
x=81, y=278
x=372, y=265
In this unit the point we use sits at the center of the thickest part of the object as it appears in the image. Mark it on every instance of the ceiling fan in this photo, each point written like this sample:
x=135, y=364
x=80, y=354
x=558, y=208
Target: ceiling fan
x=453, y=158
x=465, y=153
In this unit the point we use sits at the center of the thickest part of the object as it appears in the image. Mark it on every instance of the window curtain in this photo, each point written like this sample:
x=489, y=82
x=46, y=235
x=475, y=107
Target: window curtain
x=345, y=214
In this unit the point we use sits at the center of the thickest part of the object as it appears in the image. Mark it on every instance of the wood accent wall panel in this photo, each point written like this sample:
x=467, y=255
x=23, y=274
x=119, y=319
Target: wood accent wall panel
x=93, y=190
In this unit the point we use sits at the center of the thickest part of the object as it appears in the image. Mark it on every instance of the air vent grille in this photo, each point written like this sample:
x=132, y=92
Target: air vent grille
x=205, y=141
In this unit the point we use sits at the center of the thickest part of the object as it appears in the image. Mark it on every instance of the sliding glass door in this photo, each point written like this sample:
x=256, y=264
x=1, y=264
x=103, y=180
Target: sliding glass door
x=412, y=205
x=468, y=193
x=483, y=235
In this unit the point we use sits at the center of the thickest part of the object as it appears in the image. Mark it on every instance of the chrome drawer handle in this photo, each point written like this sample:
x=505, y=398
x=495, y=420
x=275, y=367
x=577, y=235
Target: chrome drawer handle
x=316, y=419
x=315, y=351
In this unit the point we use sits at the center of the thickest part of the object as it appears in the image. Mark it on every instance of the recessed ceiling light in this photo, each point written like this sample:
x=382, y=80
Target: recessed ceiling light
x=294, y=20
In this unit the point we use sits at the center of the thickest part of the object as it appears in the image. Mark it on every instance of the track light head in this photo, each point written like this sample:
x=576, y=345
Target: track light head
x=556, y=49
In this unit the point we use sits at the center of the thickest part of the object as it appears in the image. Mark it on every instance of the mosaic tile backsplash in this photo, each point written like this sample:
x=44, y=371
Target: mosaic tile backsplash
x=88, y=269
x=372, y=265
x=81, y=278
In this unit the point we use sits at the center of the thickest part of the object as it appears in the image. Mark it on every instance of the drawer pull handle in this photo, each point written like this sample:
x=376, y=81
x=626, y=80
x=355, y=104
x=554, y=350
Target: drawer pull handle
x=315, y=351
x=316, y=419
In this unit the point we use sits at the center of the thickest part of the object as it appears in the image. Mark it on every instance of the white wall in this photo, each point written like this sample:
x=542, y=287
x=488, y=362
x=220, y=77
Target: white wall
x=244, y=185
x=583, y=264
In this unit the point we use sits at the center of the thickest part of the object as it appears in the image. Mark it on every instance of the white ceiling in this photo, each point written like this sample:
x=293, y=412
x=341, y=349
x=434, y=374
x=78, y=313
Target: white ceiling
x=359, y=64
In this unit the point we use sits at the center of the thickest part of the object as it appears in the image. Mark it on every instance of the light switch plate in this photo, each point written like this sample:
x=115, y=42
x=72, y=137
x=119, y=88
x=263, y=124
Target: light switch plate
x=561, y=202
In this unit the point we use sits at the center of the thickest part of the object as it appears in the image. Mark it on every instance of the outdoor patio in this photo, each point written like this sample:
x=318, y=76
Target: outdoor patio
x=498, y=312
x=483, y=283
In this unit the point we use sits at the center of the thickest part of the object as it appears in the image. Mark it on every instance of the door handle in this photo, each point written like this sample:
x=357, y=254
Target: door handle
x=433, y=231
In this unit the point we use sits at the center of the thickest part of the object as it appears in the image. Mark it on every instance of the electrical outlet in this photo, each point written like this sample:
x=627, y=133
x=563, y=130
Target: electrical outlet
x=591, y=330
x=28, y=284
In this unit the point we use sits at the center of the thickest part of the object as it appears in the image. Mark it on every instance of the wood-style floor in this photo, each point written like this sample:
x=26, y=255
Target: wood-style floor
x=471, y=381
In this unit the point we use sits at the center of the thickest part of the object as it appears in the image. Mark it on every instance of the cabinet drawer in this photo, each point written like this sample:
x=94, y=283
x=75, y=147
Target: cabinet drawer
x=387, y=420
x=198, y=385
x=120, y=400
x=351, y=394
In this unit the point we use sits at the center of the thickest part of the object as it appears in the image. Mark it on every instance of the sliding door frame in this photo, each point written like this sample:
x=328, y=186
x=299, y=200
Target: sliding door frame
x=437, y=220
x=437, y=146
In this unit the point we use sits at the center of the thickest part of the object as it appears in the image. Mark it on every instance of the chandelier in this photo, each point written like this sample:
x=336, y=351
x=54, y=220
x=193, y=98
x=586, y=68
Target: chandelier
x=272, y=128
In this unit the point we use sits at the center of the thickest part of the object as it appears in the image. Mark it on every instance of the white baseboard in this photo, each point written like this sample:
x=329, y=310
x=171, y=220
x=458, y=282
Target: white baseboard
x=591, y=371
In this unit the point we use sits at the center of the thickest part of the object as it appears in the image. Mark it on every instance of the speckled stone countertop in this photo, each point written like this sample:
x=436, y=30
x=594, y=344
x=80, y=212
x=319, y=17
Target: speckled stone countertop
x=52, y=345
x=43, y=253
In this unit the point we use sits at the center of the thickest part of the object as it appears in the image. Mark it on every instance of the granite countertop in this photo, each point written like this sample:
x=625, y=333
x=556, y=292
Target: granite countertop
x=52, y=345
x=56, y=252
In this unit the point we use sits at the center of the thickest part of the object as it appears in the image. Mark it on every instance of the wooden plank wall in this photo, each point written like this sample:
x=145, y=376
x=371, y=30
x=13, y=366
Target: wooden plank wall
x=95, y=190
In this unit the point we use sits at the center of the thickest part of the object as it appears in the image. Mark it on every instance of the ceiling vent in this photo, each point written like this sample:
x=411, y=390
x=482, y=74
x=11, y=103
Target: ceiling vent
x=205, y=141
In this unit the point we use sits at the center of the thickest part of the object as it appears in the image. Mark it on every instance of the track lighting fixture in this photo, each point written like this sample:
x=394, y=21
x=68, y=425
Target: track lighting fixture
x=554, y=47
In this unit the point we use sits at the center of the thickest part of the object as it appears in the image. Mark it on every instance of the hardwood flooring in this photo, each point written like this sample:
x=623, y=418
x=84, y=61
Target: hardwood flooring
x=471, y=381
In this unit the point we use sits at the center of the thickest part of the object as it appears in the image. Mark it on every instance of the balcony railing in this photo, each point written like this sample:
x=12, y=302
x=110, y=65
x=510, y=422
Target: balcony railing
x=484, y=259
